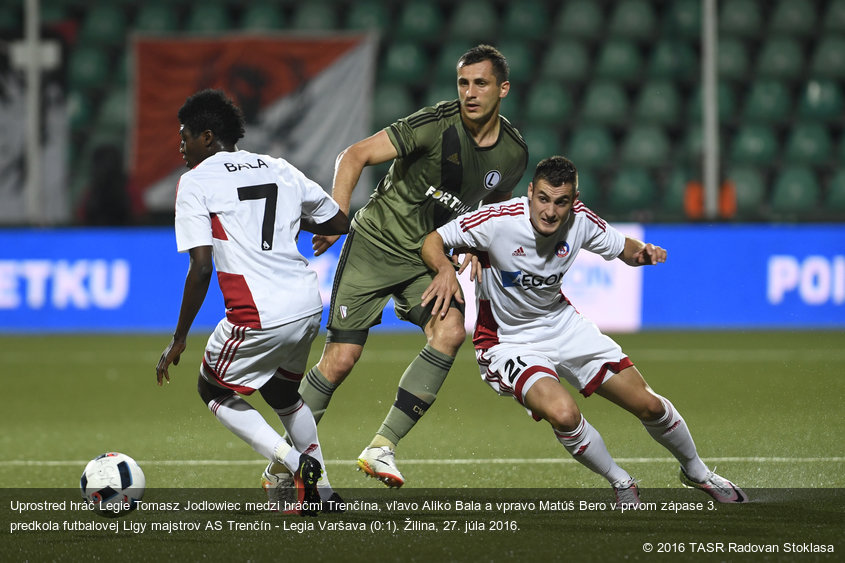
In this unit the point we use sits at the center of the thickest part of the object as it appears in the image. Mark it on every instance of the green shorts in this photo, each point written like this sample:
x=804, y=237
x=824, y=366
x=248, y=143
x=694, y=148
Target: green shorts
x=365, y=280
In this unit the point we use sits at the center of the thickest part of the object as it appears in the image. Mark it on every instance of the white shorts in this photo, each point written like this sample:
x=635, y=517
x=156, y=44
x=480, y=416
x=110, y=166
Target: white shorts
x=573, y=349
x=244, y=359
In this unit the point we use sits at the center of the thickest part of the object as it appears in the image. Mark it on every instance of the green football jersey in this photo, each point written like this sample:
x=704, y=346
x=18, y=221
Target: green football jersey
x=439, y=173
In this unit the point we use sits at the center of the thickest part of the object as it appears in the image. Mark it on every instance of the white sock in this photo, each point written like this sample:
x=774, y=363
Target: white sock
x=247, y=424
x=588, y=448
x=671, y=432
x=302, y=431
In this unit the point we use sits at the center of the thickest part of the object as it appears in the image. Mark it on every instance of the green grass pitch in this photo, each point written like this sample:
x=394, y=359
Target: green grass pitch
x=763, y=407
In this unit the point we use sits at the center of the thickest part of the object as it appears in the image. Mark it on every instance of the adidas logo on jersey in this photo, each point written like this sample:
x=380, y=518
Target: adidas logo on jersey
x=518, y=252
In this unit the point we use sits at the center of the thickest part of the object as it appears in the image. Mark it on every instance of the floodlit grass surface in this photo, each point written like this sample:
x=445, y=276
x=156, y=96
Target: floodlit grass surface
x=764, y=409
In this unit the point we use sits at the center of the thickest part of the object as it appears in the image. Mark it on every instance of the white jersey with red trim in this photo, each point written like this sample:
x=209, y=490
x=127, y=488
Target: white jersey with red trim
x=520, y=289
x=248, y=207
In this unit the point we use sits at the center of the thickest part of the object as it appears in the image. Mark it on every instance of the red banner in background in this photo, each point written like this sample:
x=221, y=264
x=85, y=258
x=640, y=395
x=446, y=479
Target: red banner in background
x=305, y=99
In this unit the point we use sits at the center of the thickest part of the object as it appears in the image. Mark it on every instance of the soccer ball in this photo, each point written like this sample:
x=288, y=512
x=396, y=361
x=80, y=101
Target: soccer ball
x=113, y=483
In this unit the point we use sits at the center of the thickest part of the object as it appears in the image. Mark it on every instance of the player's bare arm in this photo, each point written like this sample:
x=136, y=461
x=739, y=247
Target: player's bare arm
x=638, y=253
x=375, y=149
x=196, y=287
x=444, y=287
x=337, y=225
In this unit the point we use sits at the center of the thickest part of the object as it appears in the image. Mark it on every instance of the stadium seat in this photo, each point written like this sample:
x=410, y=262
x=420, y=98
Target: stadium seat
x=632, y=189
x=754, y=144
x=391, y=101
x=262, y=16
x=619, y=59
x=834, y=201
x=446, y=61
x=673, y=59
x=113, y=115
x=740, y=18
x=682, y=19
x=781, y=57
x=793, y=17
x=725, y=98
x=674, y=190
x=605, y=102
x=808, y=143
x=750, y=189
x=692, y=144
x=646, y=146
x=796, y=191
x=633, y=19
x=207, y=18
x=88, y=68
x=732, y=59
x=768, y=101
x=104, y=26
x=591, y=146
x=521, y=60
x=565, y=60
x=79, y=111
x=828, y=59
x=527, y=19
x=542, y=141
x=420, y=19
x=406, y=62
x=821, y=99
x=580, y=19
x=439, y=91
x=834, y=17
x=658, y=101
x=156, y=17
x=513, y=107
x=369, y=15
x=10, y=18
x=315, y=15
x=589, y=185
x=475, y=20
x=548, y=102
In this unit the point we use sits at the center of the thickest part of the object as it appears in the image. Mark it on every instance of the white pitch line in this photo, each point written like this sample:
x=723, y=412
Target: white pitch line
x=492, y=461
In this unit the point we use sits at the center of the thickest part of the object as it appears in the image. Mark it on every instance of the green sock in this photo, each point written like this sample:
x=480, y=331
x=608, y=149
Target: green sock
x=316, y=391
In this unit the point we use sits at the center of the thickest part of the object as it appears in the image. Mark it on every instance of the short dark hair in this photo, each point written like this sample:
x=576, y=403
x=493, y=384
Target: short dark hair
x=557, y=171
x=212, y=110
x=480, y=53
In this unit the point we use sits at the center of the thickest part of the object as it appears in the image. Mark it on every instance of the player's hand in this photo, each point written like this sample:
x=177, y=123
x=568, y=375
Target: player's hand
x=442, y=289
x=321, y=243
x=470, y=259
x=649, y=255
x=170, y=355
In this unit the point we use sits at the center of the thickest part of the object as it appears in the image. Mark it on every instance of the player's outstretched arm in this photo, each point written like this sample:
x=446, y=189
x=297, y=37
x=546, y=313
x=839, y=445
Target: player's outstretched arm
x=337, y=225
x=445, y=284
x=638, y=253
x=196, y=287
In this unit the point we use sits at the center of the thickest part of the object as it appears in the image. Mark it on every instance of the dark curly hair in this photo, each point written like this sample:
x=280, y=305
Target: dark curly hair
x=212, y=110
x=557, y=171
x=480, y=53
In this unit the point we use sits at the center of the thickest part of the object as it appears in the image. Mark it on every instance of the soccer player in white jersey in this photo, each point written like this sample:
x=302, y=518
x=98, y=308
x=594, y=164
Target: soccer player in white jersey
x=246, y=210
x=528, y=334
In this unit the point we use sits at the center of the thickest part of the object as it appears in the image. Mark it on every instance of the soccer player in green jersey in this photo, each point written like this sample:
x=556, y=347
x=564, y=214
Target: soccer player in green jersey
x=446, y=159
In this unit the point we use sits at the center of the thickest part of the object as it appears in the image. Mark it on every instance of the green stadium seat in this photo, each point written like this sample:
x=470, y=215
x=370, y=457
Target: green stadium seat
x=446, y=61
x=732, y=59
x=808, y=143
x=368, y=15
x=754, y=144
x=740, y=18
x=316, y=15
x=821, y=99
x=547, y=102
x=79, y=110
x=835, y=199
x=527, y=19
x=521, y=60
x=262, y=16
x=793, y=17
x=633, y=19
x=619, y=59
x=658, y=101
x=580, y=19
x=646, y=146
x=591, y=146
x=796, y=191
x=391, y=101
x=834, y=17
x=104, y=26
x=768, y=101
x=208, y=18
x=10, y=18
x=682, y=19
x=692, y=144
x=605, y=102
x=673, y=59
x=88, y=68
x=781, y=57
x=420, y=19
x=632, y=189
x=542, y=142
x=156, y=17
x=566, y=60
x=750, y=189
x=589, y=185
x=725, y=98
x=674, y=190
x=406, y=62
x=439, y=91
x=828, y=59
x=475, y=20
x=113, y=115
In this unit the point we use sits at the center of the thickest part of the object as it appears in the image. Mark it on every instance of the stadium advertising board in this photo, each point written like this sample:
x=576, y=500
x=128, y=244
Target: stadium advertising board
x=780, y=277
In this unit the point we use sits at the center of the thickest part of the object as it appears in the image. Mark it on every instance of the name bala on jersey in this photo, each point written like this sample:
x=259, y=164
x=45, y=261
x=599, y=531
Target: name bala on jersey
x=231, y=167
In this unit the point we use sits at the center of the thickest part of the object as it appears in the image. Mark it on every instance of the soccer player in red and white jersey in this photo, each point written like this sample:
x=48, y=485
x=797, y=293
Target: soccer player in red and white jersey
x=246, y=210
x=528, y=334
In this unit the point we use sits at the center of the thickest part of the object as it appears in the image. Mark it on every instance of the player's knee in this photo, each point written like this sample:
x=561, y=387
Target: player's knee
x=209, y=392
x=652, y=408
x=564, y=417
x=448, y=337
x=280, y=394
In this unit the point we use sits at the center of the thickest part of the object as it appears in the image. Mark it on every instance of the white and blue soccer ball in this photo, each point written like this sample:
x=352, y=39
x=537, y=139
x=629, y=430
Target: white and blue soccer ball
x=113, y=483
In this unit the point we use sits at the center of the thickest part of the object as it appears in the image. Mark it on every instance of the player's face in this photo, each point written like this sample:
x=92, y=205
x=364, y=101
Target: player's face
x=549, y=206
x=479, y=92
x=192, y=147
